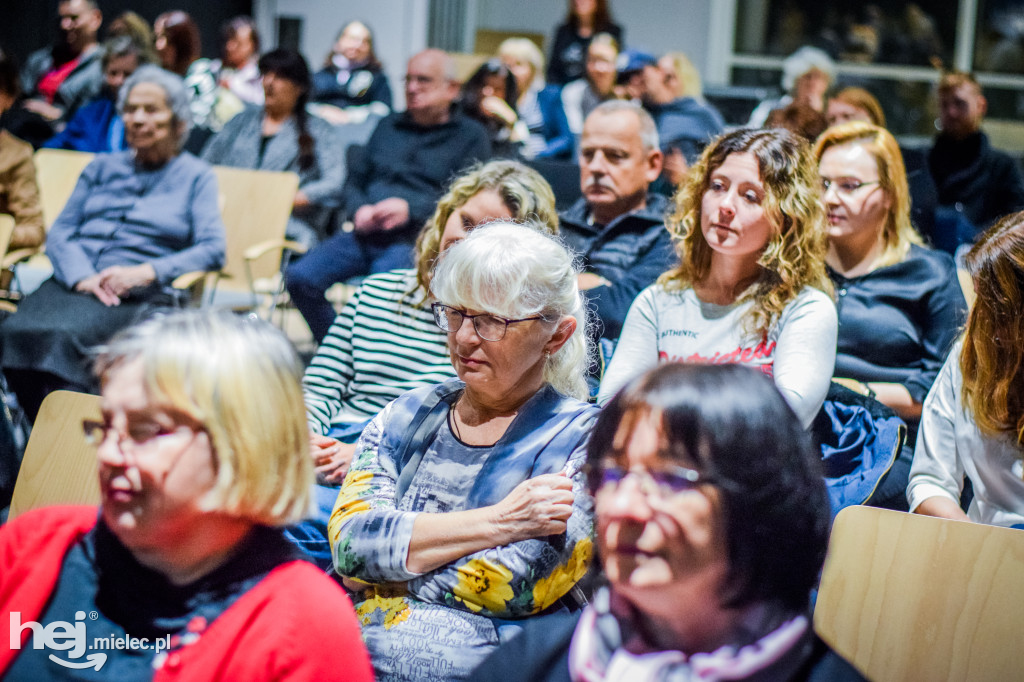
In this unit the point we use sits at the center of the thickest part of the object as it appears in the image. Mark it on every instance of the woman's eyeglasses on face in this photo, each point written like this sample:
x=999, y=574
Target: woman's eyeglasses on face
x=844, y=186
x=135, y=438
x=488, y=327
x=663, y=483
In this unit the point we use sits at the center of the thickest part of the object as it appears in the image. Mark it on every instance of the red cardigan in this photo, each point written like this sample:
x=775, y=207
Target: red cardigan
x=295, y=624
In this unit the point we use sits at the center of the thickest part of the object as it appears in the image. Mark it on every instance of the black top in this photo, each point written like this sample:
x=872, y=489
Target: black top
x=119, y=598
x=569, y=52
x=897, y=323
x=980, y=182
x=358, y=87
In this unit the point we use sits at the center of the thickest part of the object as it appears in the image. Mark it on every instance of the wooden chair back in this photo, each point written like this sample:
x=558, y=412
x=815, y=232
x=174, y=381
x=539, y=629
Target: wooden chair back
x=59, y=467
x=57, y=172
x=911, y=597
x=255, y=206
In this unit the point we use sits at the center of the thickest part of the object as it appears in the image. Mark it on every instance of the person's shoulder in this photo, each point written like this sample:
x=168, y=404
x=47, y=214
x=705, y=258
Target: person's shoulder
x=189, y=163
x=15, y=148
x=935, y=261
x=48, y=524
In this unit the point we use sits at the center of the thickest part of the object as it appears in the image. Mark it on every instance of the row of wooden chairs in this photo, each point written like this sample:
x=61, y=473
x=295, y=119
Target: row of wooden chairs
x=903, y=597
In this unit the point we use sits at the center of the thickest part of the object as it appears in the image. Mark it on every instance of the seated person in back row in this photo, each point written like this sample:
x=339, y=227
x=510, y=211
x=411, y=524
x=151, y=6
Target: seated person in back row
x=617, y=227
x=392, y=187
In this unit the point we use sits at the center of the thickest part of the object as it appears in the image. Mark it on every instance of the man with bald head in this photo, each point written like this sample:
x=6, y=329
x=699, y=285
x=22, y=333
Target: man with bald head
x=62, y=77
x=392, y=187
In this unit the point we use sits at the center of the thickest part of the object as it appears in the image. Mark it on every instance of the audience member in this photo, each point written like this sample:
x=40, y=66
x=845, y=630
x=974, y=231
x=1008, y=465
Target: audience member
x=489, y=96
x=585, y=19
x=685, y=124
x=857, y=104
x=800, y=119
x=385, y=342
x=900, y=304
x=977, y=182
x=134, y=222
x=199, y=464
x=617, y=227
x=579, y=97
x=133, y=26
x=806, y=77
x=62, y=77
x=282, y=136
x=237, y=70
x=751, y=287
x=14, y=117
x=352, y=84
x=19, y=195
x=712, y=524
x=96, y=126
x=973, y=420
x=392, y=187
x=539, y=107
x=180, y=50
x=465, y=508
x=683, y=79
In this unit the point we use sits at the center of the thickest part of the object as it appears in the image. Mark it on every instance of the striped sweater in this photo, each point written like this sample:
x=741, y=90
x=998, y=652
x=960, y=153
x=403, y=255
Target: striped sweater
x=382, y=344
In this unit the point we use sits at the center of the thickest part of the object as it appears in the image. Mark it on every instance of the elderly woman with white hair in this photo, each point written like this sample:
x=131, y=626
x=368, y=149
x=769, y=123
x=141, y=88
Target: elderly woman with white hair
x=807, y=75
x=135, y=221
x=201, y=454
x=465, y=508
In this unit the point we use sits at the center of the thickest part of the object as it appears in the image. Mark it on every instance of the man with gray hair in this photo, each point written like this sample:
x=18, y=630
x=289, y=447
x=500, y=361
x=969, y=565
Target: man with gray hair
x=617, y=227
x=392, y=187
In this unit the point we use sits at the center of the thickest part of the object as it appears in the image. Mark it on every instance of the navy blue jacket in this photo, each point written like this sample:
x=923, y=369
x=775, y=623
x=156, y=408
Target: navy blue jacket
x=630, y=252
x=980, y=182
x=556, y=126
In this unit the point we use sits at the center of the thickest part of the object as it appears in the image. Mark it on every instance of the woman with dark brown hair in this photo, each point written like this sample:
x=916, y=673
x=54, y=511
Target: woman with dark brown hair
x=585, y=19
x=973, y=420
x=180, y=50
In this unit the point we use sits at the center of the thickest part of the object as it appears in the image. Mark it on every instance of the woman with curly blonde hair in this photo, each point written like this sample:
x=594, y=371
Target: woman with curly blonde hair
x=973, y=420
x=751, y=286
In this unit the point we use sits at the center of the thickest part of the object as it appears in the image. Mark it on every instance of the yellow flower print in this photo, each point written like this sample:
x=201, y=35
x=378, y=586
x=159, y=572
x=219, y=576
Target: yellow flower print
x=350, y=501
x=550, y=589
x=483, y=584
x=391, y=603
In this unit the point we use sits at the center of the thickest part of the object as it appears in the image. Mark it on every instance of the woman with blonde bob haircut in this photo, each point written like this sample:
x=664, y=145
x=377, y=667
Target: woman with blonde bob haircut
x=201, y=457
x=900, y=303
x=466, y=507
x=973, y=419
x=751, y=286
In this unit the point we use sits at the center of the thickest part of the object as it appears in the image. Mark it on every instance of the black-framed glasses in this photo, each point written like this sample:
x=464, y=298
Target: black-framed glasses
x=664, y=482
x=845, y=185
x=488, y=327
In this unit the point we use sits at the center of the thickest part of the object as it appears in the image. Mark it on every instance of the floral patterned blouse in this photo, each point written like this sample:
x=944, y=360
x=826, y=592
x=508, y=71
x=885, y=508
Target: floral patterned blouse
x=439, y=625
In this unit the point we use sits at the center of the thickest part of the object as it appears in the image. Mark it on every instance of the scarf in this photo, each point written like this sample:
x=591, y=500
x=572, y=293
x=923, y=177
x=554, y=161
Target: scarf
x=596, y=653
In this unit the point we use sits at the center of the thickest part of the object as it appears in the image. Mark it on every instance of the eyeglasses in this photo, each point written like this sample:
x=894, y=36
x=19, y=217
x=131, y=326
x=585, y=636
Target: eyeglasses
x=666, y=482
x=846, y=186
x=488, y=327
x=137, y=437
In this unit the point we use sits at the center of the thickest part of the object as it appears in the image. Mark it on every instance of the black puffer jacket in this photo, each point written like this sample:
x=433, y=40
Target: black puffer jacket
x=630, y=252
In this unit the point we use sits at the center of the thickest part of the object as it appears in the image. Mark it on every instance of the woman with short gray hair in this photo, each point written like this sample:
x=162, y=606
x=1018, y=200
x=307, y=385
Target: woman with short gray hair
x=465, y=509
x=134, y=222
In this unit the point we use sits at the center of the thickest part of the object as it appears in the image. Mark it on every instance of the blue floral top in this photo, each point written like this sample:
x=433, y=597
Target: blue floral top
x=439, y=625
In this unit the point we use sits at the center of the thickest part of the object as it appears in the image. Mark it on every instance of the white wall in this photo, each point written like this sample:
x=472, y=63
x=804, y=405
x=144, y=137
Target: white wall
x=657, y=26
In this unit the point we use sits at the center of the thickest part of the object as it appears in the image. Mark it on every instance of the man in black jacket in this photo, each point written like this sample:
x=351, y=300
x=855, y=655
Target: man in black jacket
x=976, y=181
x=617, y=227
x=392, y=187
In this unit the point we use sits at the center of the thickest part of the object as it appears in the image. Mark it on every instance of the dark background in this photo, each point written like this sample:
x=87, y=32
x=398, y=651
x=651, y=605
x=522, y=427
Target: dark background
x=26, y=25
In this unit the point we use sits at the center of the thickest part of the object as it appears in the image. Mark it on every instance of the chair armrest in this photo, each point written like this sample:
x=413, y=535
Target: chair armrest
x=12, y=258
x=258, y=250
